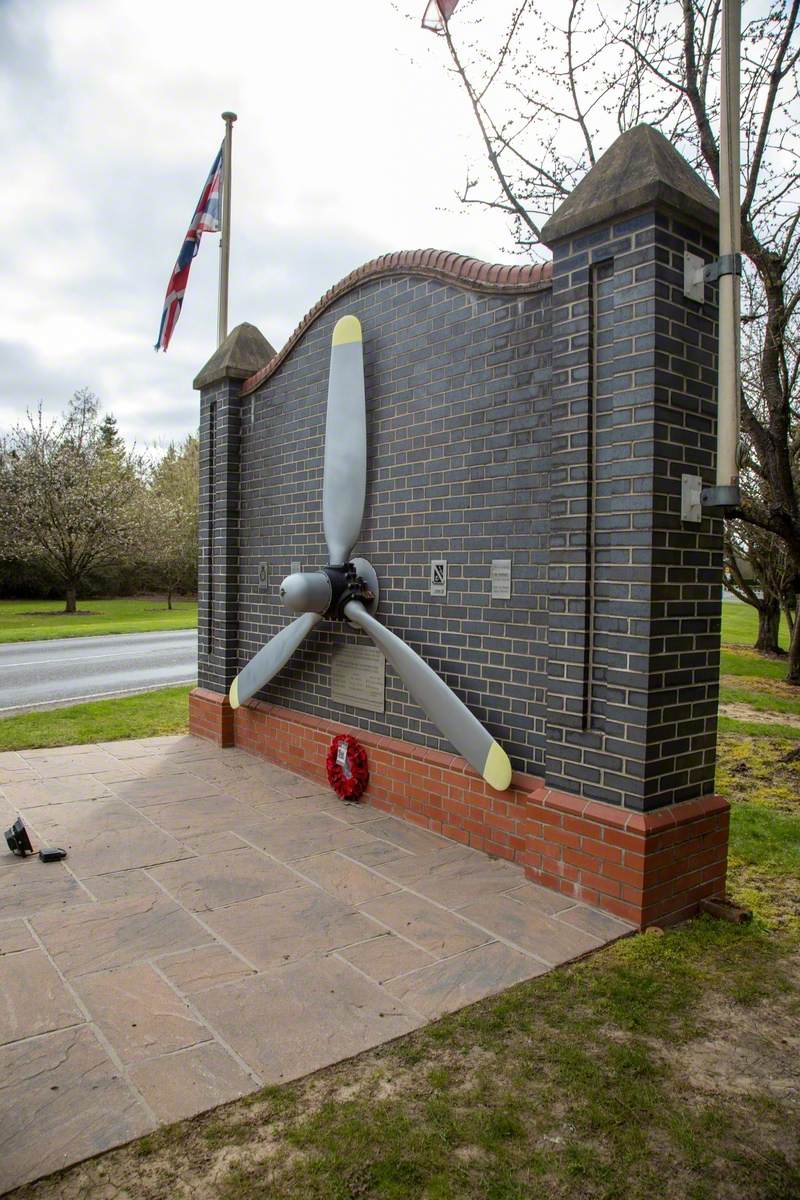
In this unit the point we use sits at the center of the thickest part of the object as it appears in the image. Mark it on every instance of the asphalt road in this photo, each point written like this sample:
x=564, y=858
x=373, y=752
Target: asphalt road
x=68, y=670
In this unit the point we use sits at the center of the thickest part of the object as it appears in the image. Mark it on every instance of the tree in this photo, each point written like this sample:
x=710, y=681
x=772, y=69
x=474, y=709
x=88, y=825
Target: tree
x=552, y=96
x=757, y=569
x=68, y=499
x=173, y=507
x=110, y=435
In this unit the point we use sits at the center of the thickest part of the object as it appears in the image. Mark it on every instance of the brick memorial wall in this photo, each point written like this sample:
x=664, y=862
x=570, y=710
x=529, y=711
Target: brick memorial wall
x=539, y=414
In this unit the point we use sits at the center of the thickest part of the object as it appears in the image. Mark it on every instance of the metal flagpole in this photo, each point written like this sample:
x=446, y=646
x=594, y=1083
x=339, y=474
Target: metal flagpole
x=225, y=240
x=727, y=482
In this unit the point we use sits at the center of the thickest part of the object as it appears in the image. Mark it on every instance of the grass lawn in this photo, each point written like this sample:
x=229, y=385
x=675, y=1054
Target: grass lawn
x=149, y=714
x=751, y=685
x=740, y=625
x=33, y=620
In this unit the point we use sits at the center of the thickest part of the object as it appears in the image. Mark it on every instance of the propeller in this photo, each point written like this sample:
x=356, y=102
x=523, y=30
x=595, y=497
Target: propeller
x=347, y=589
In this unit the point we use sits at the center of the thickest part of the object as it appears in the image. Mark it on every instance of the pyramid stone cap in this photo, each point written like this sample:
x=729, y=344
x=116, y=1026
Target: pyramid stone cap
x=640, y=169
x=244, y=351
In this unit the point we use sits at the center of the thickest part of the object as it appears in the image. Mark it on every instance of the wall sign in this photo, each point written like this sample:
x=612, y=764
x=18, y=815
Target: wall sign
x=263, y=576
x=438, y=577
x=358, y=677
x=501, y=578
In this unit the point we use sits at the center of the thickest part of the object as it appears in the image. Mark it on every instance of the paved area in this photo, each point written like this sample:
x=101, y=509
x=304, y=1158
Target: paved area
x=221, y=924
x=68, y=670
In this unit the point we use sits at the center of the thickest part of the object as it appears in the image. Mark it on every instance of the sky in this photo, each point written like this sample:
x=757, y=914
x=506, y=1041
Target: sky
x=351, y=141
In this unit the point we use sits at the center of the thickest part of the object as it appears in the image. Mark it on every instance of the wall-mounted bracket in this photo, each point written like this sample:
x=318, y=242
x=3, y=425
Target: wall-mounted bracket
x=728, y=264
x=697, y=273
x=693, y=281
x=691, y=506
x=720, y=501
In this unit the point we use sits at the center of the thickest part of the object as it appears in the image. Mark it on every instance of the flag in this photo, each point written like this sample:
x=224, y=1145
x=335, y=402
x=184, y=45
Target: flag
x=206, y=219
x=437, y=14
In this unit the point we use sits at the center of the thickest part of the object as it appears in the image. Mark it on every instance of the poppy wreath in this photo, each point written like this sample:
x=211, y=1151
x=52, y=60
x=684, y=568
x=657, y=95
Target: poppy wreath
x=348, y=771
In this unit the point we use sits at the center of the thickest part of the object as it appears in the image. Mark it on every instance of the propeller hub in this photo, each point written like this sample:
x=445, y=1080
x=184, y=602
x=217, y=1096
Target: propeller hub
x=307, y=592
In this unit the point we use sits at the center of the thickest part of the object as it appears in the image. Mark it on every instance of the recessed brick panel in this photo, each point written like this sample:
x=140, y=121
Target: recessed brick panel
x=458, y=414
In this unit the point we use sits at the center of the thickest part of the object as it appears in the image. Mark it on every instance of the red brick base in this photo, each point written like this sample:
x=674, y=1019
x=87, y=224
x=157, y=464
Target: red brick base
x=211, y=716
x=645, y=867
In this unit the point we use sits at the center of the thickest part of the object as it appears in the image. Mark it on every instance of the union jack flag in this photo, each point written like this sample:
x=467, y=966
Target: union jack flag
x=437, y=14
x=206, y=219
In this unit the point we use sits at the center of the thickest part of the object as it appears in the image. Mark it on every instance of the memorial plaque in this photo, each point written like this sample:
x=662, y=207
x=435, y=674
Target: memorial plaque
x=358, y=677
x=501, y=578
x=439, y=577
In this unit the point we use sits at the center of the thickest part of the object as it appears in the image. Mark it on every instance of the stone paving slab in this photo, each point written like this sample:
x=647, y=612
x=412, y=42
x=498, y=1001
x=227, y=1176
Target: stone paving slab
x=217, y=880
x=138, y=1013
x=178, y=1086
x=114, y=933
x=62, y=1099
x=219, y=924
x=324, y=1010
x=34, y=999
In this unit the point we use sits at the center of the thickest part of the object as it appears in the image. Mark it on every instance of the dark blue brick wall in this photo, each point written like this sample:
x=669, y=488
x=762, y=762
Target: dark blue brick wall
x=458, y=417
x=635, y=597
x=551, y=428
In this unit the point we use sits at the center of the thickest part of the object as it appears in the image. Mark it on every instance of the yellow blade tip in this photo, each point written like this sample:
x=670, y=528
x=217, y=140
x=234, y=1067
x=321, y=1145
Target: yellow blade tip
x=233, y=694
x=347, y=329
x=497, y=768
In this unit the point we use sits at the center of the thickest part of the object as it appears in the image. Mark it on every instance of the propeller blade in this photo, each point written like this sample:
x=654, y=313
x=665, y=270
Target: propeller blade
x=271, y=658
x=345, y=480
x=442, y=706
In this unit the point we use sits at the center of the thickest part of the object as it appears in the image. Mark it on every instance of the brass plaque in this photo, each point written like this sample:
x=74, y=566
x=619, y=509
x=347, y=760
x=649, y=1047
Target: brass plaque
x=358, y=677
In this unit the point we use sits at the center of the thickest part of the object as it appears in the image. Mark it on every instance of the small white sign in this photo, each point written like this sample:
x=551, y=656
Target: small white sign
x=439, y=577
x=501, y=578
x=295, y=568
x=263, y=576
x=341, y=754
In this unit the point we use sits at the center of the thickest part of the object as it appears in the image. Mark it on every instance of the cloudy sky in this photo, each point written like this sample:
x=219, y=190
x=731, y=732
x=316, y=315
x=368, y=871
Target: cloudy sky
x=351, y=141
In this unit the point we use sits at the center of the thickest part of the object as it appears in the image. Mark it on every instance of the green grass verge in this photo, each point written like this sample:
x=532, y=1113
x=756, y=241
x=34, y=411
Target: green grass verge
x=758, y=729
x=740, y=625
x=763, y=699
x=749, y=664
x=35, y=620
x=151, y=714
x=760, y=775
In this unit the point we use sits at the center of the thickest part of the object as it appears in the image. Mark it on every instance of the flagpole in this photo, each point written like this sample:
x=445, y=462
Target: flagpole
x=225, y=240
x=727, y=483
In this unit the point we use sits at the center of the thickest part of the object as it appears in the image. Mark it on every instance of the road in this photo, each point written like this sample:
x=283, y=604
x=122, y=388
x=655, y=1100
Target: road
x=69, y=670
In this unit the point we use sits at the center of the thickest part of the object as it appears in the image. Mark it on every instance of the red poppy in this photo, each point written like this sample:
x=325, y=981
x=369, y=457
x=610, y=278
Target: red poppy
x=347, y=767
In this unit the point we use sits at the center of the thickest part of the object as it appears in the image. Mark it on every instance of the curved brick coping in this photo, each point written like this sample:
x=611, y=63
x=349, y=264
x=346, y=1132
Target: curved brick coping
x=647, y=868
x=457, y=269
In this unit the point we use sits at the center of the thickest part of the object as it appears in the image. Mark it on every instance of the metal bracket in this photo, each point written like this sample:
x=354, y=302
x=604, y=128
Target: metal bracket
x=729, y=264
x=691, y=506
x=697, y=273
x=720, y=500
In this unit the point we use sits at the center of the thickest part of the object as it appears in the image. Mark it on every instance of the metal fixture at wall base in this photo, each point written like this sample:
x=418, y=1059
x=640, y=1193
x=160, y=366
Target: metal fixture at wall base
x=347, y=589
x=18, y=839
x=52, y=854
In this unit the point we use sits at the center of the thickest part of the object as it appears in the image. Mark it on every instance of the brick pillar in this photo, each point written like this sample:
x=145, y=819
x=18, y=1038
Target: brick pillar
x=634, y=590
x=243, y=352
